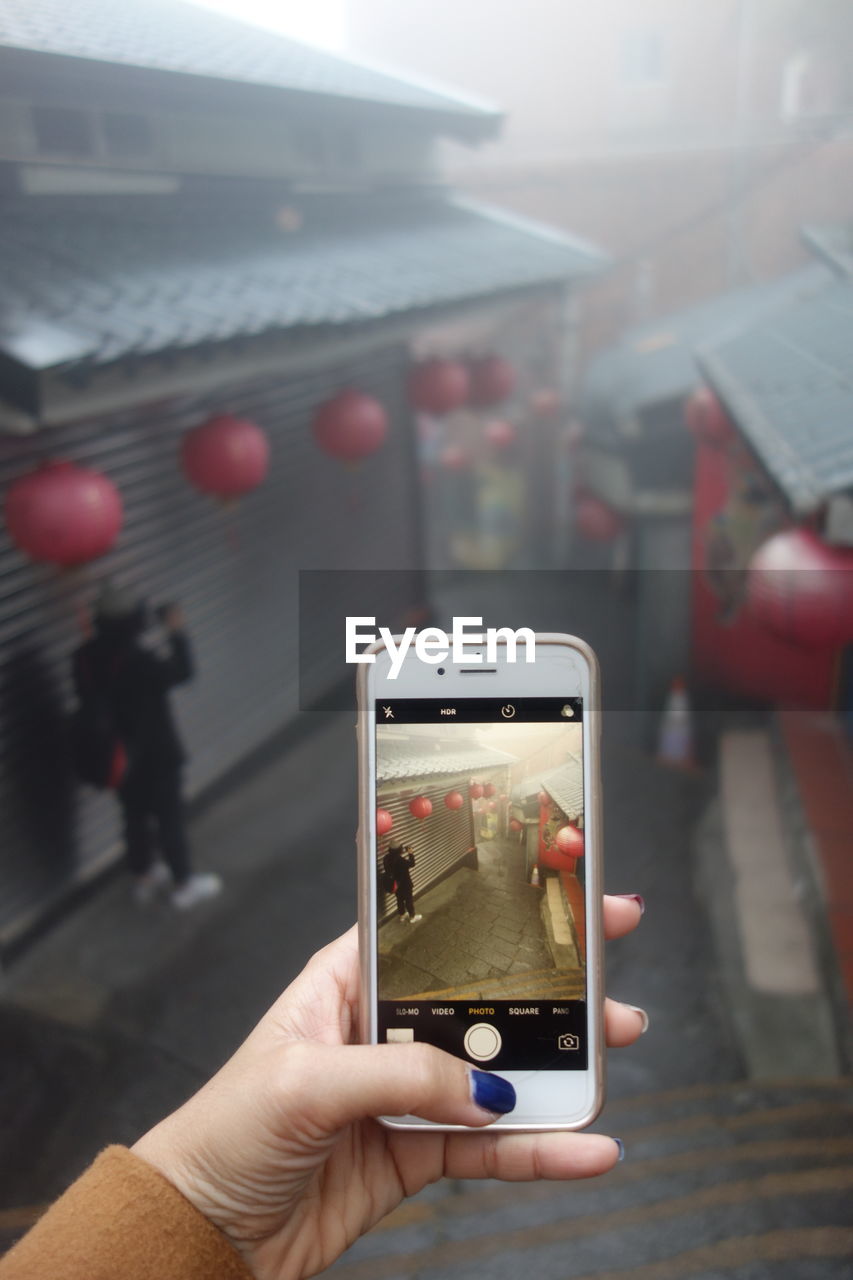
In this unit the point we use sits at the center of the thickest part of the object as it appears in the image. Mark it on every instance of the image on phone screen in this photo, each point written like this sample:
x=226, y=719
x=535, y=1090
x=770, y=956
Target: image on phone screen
x=480, y=930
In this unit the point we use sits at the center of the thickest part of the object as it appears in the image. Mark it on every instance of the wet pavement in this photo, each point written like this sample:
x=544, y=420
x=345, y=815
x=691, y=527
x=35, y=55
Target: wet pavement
x=482, y=932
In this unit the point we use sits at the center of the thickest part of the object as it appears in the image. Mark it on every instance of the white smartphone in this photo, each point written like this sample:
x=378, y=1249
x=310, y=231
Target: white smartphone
x=480, y=877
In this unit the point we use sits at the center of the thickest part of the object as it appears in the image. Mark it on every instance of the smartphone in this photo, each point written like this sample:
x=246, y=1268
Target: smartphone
x=480, y=878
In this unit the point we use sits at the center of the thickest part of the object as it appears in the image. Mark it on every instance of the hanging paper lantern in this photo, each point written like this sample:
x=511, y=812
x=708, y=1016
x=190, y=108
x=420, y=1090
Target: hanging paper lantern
x=454, y=458
x=420, y=807
x=543, y=798
x=801, y=589
x=226, y=456
x=707, y=419
x=515, y=825
x=384, y=822
x=475, y=790
x=493, y=804
x=492, y=381
x=595, y=520
x=350, y=426
x=63, y=514
x=439, y=386
x=569, y=840
x=489, y=789
x=499, y=433
x=454, y=800
x=545, y=402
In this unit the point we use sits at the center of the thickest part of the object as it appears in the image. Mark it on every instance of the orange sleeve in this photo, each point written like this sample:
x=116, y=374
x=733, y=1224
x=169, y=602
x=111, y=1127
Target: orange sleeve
x=122, y=1220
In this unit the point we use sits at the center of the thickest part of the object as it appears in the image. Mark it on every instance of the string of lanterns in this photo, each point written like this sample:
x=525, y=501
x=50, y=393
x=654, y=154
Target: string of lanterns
x=421, y=807
x=68, y=514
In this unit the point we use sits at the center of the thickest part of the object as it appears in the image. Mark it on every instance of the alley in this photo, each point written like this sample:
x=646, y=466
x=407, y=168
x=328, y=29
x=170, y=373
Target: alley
x=118, y=1015
x=482, y=933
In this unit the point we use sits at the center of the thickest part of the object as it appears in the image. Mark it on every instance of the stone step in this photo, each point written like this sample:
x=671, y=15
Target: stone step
x=537, y=984
x=714, y=1179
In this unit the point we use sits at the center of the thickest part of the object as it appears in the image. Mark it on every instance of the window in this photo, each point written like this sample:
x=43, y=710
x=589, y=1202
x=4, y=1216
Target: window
x=127, y=135
x=641, y=56
x=63, y=131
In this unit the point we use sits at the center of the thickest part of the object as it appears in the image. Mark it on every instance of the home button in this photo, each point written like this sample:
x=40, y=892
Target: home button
x=482, y=1041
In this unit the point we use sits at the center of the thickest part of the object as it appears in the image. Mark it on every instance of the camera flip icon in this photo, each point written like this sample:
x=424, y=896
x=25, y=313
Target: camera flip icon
x=568, y=1041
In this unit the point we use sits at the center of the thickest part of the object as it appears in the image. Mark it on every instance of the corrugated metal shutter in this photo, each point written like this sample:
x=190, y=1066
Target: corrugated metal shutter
x=440, y=842
x=237, y=576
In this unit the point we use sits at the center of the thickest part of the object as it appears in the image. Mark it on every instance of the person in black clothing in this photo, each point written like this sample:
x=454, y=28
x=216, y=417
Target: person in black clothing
x=397, y=865
x=137, y=682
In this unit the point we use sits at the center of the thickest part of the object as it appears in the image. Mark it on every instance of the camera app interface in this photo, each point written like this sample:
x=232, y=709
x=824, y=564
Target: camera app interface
x=480, y=879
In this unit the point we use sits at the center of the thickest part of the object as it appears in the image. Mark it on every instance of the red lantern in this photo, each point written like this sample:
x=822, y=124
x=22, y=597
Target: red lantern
x=454, y=458
x=515, y=825
x=475, y=790
x=384, y=822
x=499, y=434
x=454, y=800
x=706, y=418
x=493, y=804
x=569, y=840
x=503, y=797
x=350, y=426
x=595, y=520
x=492, y=381
x=439, y=386
x=64, y=514
x=545, y=402
x=543, y=798
x=802, y=589
x=226, y=456
x=420, y=807
x=489, y=789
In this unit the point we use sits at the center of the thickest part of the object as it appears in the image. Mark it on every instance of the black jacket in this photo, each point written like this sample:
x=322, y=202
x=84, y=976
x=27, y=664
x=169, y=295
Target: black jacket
x=137, y=684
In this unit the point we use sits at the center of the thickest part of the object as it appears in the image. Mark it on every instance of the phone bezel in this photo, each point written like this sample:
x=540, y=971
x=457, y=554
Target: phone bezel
x=546, y=1099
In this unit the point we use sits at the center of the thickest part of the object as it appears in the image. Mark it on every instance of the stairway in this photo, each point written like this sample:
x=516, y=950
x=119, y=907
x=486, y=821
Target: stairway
x=744, y=1180
x=538, y=984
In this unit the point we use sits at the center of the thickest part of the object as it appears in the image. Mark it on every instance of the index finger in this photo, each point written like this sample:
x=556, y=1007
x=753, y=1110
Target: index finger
x=622, y=914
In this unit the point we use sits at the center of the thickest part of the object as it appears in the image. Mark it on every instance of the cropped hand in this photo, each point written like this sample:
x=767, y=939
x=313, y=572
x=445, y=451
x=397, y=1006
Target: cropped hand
x=280, y=1149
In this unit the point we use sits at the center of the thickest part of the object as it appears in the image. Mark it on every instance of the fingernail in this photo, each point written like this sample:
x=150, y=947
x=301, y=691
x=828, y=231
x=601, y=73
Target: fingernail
x=621, y=1145
x=634, y=897
x=642, y=1014
x=492, y=1092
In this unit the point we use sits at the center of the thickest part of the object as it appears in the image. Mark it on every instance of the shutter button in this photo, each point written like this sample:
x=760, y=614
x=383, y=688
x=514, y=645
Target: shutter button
x=482, y=1041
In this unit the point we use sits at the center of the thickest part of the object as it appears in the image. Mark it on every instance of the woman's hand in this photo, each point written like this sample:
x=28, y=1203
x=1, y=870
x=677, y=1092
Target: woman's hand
x=280, y=1149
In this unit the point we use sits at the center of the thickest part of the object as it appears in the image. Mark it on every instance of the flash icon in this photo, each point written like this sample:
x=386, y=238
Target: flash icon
x=568, y=711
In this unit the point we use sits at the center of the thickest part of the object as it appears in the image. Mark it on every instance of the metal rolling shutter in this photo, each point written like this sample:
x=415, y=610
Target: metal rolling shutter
x=236, y=575
x=441, y=842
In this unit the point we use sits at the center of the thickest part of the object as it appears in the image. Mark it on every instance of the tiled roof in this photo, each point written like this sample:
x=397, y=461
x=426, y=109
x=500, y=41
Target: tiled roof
x=410, y=758
x=171, y=36
x=92, y=280
x=565, y=786
x=655, y=362
x=788, y=383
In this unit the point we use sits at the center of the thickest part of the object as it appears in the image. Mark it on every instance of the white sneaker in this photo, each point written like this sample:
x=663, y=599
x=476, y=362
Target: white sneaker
x=415, y=919
x=154, y=884
x=199, y=887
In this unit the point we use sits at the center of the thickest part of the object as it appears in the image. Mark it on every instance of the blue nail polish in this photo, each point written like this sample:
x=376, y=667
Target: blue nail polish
x=621, y=1145
x=492, y=1093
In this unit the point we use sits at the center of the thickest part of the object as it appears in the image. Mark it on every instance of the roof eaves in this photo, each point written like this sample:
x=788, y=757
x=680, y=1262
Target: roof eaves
x=782, y=464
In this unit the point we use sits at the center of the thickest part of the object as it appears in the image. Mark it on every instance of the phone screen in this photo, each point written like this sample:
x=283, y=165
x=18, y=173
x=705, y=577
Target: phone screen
x=480, y=937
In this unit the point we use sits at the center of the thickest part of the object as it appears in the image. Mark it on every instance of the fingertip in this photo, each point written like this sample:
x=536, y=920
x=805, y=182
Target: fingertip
x=491, y=1093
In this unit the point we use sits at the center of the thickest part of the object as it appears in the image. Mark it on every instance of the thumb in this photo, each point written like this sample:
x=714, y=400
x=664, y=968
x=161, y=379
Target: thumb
x=343, y=1083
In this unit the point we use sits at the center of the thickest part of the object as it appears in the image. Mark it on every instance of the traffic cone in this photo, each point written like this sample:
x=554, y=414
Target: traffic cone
x=675, y=741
